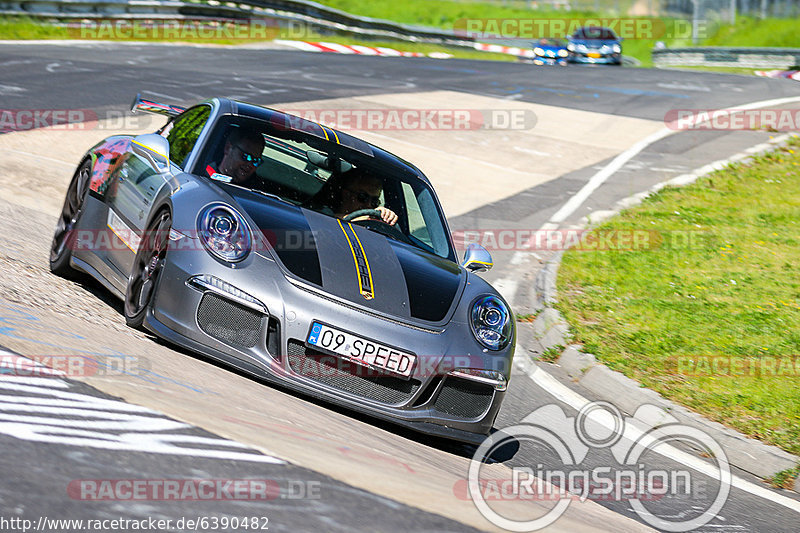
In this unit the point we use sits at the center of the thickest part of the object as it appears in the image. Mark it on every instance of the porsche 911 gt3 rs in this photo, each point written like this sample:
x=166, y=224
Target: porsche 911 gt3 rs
x=265, y=273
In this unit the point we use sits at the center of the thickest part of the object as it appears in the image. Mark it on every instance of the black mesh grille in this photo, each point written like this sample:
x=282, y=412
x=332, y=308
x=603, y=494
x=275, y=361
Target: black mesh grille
x=344, y=375
x=464, y=398
x=228, y=321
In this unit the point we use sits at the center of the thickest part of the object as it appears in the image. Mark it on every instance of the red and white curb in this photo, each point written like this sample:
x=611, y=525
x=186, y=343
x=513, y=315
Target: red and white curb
x=337, y=48
x=500, y=49
x=309, y=46
x=788, y=74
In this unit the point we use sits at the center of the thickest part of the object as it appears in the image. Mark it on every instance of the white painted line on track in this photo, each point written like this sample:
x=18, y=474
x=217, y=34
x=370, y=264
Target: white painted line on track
x=618, y=162
x=568, y=396
x=45, y=410
x=599, y=178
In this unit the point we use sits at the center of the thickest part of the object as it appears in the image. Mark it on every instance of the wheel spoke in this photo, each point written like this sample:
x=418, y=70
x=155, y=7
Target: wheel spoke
x=144, y=294
x=149, y=262
x=69, y=213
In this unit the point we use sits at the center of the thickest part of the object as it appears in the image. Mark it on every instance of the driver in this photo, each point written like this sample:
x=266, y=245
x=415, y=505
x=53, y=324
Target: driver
x=362, y=192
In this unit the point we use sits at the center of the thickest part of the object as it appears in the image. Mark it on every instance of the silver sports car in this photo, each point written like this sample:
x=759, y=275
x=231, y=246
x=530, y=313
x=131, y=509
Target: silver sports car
x=297, y=253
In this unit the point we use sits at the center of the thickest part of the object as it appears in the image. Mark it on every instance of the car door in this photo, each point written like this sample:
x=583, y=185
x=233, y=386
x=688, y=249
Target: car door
x=138, y=184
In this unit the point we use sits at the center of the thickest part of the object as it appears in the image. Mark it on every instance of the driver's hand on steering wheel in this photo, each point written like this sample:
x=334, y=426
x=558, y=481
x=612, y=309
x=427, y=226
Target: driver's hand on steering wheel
x=387, y=215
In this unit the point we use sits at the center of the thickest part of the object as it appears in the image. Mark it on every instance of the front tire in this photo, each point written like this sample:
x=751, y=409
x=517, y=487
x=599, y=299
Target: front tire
x=64, y=237
x=147, y=267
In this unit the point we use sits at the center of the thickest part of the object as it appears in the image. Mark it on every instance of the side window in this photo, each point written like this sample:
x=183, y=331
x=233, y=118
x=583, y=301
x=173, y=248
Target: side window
x=416, y=222
x=184, y=131
x=424, y=222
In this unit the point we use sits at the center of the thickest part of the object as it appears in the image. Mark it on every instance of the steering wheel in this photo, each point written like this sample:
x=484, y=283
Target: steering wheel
x=373, y=214
x=375, y=222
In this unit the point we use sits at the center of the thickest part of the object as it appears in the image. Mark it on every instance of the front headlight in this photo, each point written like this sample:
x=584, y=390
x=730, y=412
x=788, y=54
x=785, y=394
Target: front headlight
x=617, y=48
x=571, y=47
x=538, y=51
x=224, y=233
x=563, y=53
x=491, y=322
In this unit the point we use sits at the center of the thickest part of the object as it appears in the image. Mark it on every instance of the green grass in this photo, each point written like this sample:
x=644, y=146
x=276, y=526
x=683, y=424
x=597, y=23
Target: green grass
x=441, y=13
x=720, y=286
x=757, y=32
x=551, y=354
x=785, y=478
x=26, y=29
x=723, y=70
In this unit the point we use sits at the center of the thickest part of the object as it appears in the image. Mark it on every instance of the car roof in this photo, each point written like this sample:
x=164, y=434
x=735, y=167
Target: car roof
x=319, y=136
x=596, y=30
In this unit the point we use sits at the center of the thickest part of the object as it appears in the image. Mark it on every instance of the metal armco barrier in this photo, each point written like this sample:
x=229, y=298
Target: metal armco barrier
x=718, y=56
x=310, y=14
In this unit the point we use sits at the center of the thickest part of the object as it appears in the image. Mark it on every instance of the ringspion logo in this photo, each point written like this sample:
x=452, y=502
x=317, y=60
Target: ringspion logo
x=626, y=475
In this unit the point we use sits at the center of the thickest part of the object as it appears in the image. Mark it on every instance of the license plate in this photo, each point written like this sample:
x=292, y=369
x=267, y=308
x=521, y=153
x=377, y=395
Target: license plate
x=360, y=350
x=594, y=54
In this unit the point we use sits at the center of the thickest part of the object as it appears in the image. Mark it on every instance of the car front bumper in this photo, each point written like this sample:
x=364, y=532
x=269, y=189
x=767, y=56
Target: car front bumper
x=591, y=58
x=267, y=338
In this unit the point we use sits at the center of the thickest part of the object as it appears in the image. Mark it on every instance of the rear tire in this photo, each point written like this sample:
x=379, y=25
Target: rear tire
x=147, y=266
x=64, y=237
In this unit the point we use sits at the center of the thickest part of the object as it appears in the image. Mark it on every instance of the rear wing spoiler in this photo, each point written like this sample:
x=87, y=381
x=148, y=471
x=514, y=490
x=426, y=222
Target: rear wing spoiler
x=142, y=104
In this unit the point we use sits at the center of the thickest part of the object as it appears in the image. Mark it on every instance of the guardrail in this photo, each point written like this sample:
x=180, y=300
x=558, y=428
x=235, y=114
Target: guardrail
x=309, y=14
x=718, y=56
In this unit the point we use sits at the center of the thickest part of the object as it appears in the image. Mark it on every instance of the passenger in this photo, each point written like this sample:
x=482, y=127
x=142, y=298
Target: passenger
x=241, y=156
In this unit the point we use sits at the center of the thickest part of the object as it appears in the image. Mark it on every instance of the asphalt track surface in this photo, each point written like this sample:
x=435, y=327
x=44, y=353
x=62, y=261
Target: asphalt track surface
x=104, y=77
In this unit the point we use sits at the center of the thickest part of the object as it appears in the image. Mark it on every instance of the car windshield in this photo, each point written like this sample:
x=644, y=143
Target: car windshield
x=549, y=42
x=603, y=34
x=313, y=173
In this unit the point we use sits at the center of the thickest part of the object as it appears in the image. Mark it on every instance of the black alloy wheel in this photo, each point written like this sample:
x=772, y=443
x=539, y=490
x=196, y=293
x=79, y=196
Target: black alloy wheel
x=147, y=266
x=64, y=237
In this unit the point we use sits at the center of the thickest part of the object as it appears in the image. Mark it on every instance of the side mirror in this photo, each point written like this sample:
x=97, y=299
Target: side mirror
x=477, y=258
x=154, y=149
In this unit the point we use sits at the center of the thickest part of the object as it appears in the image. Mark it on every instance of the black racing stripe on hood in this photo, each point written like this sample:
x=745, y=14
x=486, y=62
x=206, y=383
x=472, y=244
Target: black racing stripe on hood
x=432, y=282
x=287, y=230
x=304, y=241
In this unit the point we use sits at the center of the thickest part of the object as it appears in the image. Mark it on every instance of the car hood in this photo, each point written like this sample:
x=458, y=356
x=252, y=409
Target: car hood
x=354, y=263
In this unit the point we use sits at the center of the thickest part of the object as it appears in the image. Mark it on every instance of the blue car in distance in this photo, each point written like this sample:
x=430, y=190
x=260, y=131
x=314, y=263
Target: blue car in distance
x=549, y=51
x=595, y=44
